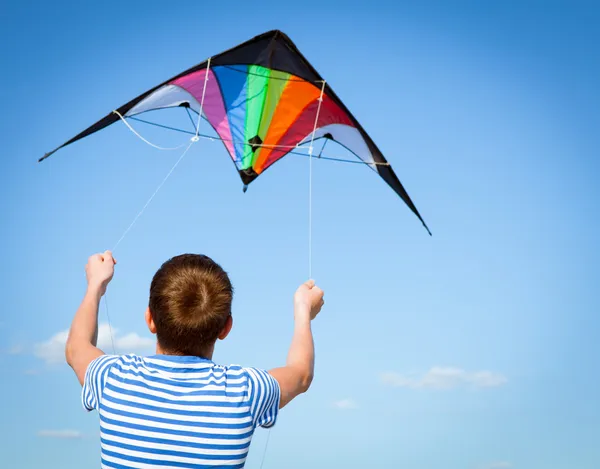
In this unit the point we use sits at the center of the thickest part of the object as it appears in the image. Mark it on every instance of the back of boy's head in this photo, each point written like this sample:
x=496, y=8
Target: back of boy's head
x=190, y=301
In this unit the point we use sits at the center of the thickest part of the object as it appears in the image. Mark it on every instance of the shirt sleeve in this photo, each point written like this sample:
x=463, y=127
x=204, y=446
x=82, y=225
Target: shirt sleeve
x=94, y=381
x=264, y=394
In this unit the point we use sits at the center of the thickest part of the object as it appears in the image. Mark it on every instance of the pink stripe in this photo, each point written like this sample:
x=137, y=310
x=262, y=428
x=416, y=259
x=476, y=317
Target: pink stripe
x=213, y=108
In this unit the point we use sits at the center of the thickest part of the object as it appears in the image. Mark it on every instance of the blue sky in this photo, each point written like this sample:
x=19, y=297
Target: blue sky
x=472, y=349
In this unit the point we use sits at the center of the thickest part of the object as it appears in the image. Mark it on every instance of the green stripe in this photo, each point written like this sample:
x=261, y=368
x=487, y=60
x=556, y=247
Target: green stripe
x=257, y=85
x=276, y=86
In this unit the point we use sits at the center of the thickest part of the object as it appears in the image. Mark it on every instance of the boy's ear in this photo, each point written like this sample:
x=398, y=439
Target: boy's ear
x=150, y=321
x=226, y=328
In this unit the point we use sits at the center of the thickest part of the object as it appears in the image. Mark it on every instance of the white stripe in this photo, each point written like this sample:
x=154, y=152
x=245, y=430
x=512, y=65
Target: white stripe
x=140, y=465
x=181, y=389
x=201, y=366
x=164, y=97
x=190, y=377
x=164, y=395
x=184, y=407
x=348, y=136
x=176, y=448
x=169, y=426
x=185, y=418
x=168, y=436
x=167, y=459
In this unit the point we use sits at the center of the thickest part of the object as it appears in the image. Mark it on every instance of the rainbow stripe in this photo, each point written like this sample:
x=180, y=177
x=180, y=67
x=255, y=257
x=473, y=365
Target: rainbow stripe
x=260, y=113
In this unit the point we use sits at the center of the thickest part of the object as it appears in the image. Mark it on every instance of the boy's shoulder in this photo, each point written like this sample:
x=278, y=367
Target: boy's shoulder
x=174, y=366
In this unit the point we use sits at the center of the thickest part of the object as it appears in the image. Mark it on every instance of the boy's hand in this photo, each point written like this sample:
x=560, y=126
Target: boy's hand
x=99, y=271
x=308, y=300
x=296, y=376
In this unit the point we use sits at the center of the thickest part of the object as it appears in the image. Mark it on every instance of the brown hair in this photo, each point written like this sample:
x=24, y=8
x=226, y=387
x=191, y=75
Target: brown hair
x=190, y=301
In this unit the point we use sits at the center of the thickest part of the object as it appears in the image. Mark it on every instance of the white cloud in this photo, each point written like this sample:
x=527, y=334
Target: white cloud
x=53, y=350
x=444, y=378
x=16, y=350
x=346, y=404
x=497, y=465
x=62, y=434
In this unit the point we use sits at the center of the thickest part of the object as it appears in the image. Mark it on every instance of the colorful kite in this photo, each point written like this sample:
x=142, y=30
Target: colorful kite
x=264, y=100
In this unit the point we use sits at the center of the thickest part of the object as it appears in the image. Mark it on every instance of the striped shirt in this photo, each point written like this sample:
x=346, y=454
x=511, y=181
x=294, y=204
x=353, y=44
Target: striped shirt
x=177, y=412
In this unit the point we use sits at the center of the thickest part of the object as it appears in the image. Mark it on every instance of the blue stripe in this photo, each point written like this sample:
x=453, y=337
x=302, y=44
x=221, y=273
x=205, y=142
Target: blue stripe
x=186, y=423
x=172, y=442
x=195, y=366
x=233, y=87
x=199, y=392
x=169, y=431
x=188, y=413
x=179, y=383
x=95, y=378
x=196, y=466
x=155, y=462
x=167, y=452
x=188, y=402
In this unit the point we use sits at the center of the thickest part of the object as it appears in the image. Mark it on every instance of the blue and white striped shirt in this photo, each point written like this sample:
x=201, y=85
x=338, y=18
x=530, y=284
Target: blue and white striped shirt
x=177, y=412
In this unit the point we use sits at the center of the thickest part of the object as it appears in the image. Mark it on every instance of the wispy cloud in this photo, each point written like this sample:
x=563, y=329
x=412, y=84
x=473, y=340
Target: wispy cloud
x=52, y=351
x=497, y=465
x=444, y=378
x=16, y=350
x=61, y=434
x=346, y=404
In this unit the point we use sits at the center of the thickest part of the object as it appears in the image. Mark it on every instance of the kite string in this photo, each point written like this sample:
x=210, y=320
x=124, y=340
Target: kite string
x=152, y=196
x=109, y=325
x=192, y=141
x=310, y=153
x=110, y=332
x=310, y=181
x=265, y=450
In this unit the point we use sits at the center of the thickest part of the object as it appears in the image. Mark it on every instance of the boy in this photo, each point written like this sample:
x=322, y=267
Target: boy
x=177, y=408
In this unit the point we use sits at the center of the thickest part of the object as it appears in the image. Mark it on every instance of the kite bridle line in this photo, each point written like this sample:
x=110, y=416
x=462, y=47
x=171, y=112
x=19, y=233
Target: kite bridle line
x=298, y=146
x=290, y=148
x=143, y=139
x=202, y=99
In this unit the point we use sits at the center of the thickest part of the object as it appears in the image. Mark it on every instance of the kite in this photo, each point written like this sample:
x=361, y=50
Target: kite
x=264, y=100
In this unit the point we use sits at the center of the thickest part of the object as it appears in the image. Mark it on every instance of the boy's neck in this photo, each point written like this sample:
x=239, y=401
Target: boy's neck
x=207, y=355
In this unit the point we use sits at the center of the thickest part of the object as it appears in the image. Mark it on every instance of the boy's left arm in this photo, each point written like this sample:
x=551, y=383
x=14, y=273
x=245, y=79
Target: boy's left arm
x=80, y=349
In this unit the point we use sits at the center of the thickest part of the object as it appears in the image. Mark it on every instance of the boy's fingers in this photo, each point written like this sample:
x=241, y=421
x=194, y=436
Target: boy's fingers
x=108, y=257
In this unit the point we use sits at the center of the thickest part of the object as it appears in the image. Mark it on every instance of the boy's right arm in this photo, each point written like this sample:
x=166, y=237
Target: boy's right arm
x=296, y=376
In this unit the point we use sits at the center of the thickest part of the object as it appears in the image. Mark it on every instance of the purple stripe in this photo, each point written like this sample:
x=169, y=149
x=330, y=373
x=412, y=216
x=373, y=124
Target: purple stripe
x=213, y=107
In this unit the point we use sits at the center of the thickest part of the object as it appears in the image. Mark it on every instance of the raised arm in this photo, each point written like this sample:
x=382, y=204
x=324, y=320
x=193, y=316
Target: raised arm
x=296, y=376
x=81, y=347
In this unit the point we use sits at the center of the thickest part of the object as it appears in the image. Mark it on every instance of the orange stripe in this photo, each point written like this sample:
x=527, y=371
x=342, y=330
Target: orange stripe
x=294, y=99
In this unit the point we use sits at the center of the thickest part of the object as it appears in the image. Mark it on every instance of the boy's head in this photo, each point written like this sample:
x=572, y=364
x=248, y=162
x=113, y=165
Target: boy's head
x=190, y=305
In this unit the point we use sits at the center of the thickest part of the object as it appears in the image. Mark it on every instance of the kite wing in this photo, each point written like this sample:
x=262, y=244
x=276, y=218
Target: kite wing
x=263, y=99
